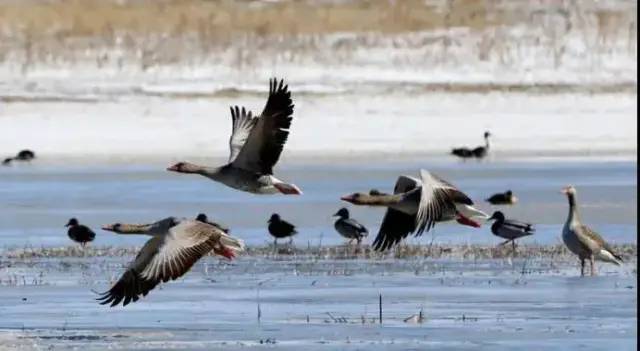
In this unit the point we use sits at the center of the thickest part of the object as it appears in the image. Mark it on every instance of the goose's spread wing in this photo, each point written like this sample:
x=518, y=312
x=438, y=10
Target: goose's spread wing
x=162, y=258
x=438, y=198
x=589, y=234
x=396, y=225
x=242, y=124
x=266, y=140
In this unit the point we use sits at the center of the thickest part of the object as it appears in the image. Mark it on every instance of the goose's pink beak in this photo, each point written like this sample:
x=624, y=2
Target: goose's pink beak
x=288, y=189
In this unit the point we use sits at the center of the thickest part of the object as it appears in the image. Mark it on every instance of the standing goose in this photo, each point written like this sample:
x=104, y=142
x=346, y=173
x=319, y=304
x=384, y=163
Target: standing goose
x=279, y=229
x=175, y=246
x=506, y=198
x=478, y=152
x=417, y=205
x=348, y=227
x=510, y=229
x=79, y=233
x=255, y=146
x=582, y=240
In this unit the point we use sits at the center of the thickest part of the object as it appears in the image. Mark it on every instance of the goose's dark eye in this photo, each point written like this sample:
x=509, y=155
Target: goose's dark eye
x=117, y=226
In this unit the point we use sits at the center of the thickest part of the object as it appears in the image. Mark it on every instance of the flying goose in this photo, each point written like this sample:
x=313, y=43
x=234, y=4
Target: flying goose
x=582, y=240
x=510, y=229
x=175, y=246
x=79, y=233
x=416, y=206
x=255, y=144
x=349, y=228
x=506, y=198
x=478, y=152
x=279, y=229
x=204, y=219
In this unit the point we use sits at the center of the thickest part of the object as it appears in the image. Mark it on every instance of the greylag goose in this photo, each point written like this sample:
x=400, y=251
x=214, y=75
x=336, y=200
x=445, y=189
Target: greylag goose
x=416, y=206
x=349, y=228
x=478, y=152
x=510, y=229
x=175, y=246
x=506, y=198
x=582, y=240
x=256, y=144
x=79, y=233
x=280, y=229
x=204, y=219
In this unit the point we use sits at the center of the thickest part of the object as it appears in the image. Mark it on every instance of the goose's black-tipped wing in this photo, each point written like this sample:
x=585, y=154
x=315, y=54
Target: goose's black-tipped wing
x=166, y=257
x=590, y=234
x=396, y=225
x=437, y=199
x=266, y=140
x=242, y=124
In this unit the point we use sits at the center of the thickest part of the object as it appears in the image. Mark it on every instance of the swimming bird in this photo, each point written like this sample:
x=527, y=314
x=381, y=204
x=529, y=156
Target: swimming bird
x=255, y=144
x=176, y=244
x=23, y=155
x=79, y=233
x=279, y=229
x=509, y=229
x=204, y=219
x=506, y=198
x=478, y=152
x=416, y=206
x=582, y=240
x=349, y=227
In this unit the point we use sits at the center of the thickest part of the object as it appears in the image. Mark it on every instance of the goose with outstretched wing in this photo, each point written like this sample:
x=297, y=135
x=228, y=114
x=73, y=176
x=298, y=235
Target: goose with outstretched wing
x=416, y=206
x=175, y=246
x=255, y=146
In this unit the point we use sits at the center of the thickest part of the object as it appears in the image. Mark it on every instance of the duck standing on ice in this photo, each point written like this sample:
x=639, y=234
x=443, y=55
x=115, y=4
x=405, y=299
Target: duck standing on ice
x=256, y=144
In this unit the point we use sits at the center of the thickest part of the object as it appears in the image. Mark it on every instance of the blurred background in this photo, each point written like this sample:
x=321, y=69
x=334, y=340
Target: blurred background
x=110, y=93
x=143, y=78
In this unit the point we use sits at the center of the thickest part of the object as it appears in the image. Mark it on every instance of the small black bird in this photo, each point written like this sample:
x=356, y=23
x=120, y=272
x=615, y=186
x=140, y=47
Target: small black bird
x=348, y=227
x=203, y=218
x=280, y=229
x=25, y=155
x=506, y=198
x=510, y=229
x=478, y=152
x=79, y=233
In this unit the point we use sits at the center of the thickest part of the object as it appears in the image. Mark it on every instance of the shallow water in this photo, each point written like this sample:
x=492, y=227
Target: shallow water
x=38, y=199
x=324, y=305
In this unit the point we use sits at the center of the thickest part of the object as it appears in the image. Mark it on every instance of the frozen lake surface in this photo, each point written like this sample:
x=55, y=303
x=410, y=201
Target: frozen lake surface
x=323, y=304
x=316, y=303
x=38, y=199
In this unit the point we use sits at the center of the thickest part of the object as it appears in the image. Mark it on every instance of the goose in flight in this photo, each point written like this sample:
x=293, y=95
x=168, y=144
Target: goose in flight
x=255, y=146
x=416, y=206
x=582, y=240
x=478, y=152
x=510, y=229
x=175, y=246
